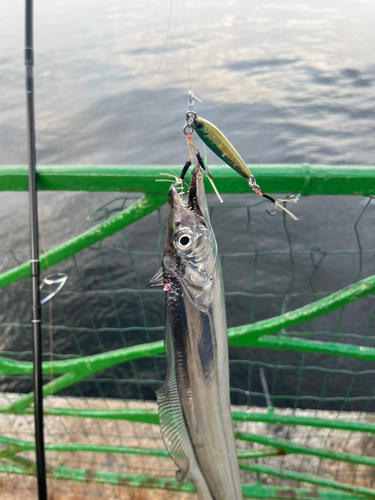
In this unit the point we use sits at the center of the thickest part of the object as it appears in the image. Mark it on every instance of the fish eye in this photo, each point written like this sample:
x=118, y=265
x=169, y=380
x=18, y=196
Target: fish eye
x=184, y=240
x=199, y=126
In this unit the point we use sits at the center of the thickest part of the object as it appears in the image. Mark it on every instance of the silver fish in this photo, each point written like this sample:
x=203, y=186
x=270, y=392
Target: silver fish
x=194, y=404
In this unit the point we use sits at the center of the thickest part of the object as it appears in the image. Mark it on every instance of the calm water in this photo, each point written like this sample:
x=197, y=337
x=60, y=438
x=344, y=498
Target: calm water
x=290, y=81
x=287, y=81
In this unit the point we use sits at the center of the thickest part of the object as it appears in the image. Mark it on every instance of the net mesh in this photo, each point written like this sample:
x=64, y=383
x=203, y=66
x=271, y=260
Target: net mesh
x=270, y=266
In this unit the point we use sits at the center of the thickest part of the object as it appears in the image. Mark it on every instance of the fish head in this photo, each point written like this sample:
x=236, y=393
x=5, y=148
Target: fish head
x=190, y=247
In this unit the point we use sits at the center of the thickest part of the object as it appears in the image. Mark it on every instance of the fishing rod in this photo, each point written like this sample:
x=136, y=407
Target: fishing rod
x=34, y=260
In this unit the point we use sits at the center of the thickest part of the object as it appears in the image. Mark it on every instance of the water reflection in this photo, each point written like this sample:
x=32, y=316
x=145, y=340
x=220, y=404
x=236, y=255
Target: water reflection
x=300, y=73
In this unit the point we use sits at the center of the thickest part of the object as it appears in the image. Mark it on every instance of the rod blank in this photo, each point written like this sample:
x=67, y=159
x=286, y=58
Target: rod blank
x=34, y=260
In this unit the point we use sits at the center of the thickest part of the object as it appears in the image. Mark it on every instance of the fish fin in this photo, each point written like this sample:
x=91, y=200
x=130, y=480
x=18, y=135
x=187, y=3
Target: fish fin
x=157, y=279
x=172, y=422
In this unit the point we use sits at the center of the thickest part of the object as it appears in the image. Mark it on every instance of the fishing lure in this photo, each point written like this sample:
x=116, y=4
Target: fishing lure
x=223, y=148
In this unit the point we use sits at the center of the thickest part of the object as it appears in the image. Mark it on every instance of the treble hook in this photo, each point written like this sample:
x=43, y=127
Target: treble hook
x=277, y=203
x=254, y=186
x=273, y=201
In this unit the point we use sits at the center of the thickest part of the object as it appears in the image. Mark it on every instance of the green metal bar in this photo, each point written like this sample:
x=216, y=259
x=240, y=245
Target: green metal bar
x=132, y=415
x=255, y=491
x=292, y=447
x=23, y=462
x=245, y=335
x=275, y=418
x=51, y=388
x=307, y=478
x=17, y=446
x=258, y=491
x=298, y=344
x=101, y=361
x=274, y=178
x=90, y=365
x=93, y=363
x=14, y=446
x=142, y=207
x=151, y=417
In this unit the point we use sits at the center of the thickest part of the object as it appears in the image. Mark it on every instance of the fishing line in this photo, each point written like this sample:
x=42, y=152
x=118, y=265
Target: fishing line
x=189, y=127
x=189, y=131
x=166, y=37
x=121, y=52
x=186, y=43
x=49, y=304
x=50, y=323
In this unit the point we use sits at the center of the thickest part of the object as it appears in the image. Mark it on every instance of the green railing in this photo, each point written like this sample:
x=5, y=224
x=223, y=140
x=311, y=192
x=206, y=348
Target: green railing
x=269, y=333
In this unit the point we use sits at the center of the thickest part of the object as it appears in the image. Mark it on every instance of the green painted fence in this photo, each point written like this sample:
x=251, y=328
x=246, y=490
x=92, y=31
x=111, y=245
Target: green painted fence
x=268, y=333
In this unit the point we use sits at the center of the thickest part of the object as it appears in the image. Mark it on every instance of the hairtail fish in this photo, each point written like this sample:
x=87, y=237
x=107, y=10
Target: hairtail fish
x=194, y=403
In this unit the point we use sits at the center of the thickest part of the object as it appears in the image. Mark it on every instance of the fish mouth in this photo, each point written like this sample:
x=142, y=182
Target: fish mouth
x=196, y=195
x=175, y=204
x=174, y=198
x=178, y=212
x=183, y=212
